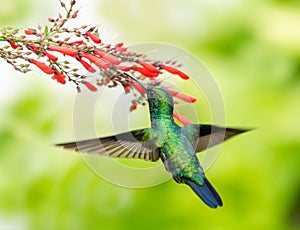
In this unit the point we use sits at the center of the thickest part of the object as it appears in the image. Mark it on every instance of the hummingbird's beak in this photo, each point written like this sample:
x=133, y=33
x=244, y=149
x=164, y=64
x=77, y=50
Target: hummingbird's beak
x=138, y=81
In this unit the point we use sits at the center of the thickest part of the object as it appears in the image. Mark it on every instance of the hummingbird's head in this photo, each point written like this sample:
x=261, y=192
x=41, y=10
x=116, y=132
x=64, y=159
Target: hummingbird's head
x=160, y=101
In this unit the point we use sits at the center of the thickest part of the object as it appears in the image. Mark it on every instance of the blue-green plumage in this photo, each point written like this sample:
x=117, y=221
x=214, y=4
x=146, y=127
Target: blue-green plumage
x=176, y=150
x=176, y=146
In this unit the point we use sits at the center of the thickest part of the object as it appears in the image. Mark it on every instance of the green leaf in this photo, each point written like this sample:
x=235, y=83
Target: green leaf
x=46, y=31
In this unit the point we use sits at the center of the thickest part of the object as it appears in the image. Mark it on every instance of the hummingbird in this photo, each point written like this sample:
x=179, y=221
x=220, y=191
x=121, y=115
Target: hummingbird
x=174, y=145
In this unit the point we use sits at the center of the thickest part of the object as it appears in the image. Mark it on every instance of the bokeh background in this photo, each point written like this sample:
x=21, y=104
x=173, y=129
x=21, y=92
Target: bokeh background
x=253, y=50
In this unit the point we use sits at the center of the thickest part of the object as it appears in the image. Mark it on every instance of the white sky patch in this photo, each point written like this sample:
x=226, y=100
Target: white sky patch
x=13, y=223
x=12, y=82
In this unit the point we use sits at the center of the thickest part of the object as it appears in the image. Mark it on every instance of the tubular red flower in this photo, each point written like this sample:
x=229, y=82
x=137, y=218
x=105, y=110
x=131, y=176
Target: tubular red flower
x=126, y=88
x=87, y=66
x=186, y=98
x=123, y=68
x=42, y=66
x=149, y=67
x=60, y=78
x=93, y=37
x=108, y=57
x=144, y=71
x=121, y=49
x=181, y=119
x=51, y=57
x=90, y=86
x=119, y=45
x=107, y=80
x=133, y=107
x=30, y=31
x=170, y=91
x=34, y=48
x=96, y=60
x=13, y=44
x=80, y=42
x=183, y=75
x=64, y=50
x=173, y=70
x=170, y=69
x=138, y=87
x=182, y=96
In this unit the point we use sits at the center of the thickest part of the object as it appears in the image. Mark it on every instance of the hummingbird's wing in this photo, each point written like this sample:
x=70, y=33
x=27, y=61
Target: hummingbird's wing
x=133, y=144
x=205, y=136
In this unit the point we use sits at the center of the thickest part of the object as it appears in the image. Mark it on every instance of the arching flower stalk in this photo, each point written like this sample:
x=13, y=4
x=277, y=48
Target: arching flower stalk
x=79, y=55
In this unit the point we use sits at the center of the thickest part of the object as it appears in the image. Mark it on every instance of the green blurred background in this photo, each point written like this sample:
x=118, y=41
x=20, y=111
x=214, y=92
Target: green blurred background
x=253, y=50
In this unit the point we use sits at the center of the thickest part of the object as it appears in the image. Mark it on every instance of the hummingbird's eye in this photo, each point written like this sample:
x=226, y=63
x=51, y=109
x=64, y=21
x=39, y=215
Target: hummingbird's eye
x=152, y=94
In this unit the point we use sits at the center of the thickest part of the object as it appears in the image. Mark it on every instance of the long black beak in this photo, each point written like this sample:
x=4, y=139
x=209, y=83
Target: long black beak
x=138, y=81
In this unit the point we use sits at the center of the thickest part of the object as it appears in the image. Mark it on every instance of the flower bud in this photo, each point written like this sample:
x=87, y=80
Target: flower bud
x=13, y=44
x=30, y=31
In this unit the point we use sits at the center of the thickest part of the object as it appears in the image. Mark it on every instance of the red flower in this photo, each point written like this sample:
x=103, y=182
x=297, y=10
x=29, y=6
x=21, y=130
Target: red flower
x=133, y=107
x=181, y=119
x=108, y=57
x=144, y=71
x=170, y=69
x=60, y=78
x=46, y=69
x=123, y=68
x=13, y=44
x=30, y=31
x=173, y=70
x=51, y=57
x=87, y=66
x=107, y=80
x=34, y=48
x=90, y=86
x=170, y=91
x=183, y=75
x=122, y=49
x=93, y=37
x=182, y=96
x=126, y=88
x=96, y=60
x=119, y=45
x=149, y=67
x=186, y=98
x=80, y=42
x=64, y=50
x=138, y=87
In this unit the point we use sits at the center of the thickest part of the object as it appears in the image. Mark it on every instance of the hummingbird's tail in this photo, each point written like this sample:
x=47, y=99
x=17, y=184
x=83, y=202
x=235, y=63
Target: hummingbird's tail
x=206, y=192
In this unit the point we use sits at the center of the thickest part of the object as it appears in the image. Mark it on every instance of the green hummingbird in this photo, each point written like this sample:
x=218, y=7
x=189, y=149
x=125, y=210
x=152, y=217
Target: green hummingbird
x=176, y=146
